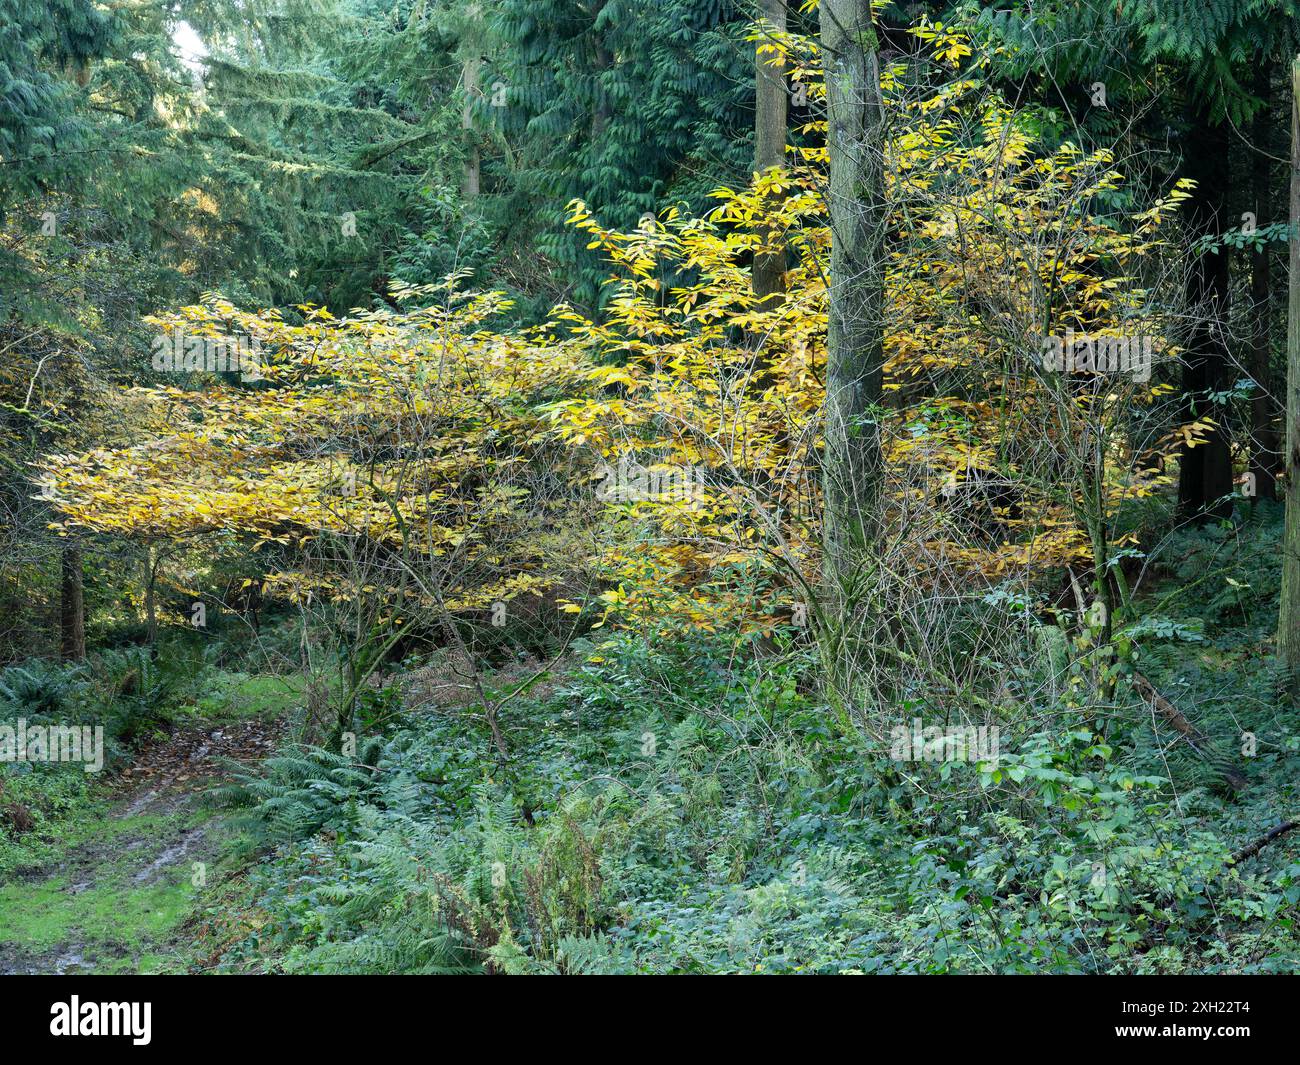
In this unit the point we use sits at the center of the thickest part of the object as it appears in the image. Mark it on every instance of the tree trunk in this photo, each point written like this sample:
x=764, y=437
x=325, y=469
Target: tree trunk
x=1205, y=477
x=602, y=62
x=150, y=596
x=1288, y=636
x=770, y=117
x=473, y=158
x=855, y=332
x=72, y=609
x=1263, y=434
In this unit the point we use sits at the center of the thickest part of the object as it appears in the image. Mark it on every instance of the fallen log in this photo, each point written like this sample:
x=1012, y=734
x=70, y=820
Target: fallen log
x=1194, y=738
x=1259, y=844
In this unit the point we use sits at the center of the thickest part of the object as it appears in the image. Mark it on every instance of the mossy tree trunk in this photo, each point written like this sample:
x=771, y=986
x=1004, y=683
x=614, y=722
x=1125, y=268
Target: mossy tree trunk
x=1288, y=637
x=771, y=108
x=72, y=607
x=855, y=334
x=471, y=178
x=1263, y=407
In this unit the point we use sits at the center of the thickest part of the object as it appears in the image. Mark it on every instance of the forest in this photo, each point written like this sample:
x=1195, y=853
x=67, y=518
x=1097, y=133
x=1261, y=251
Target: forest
x=644, y=487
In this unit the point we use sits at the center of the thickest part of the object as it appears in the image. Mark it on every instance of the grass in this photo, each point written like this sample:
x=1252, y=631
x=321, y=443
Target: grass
x=241, y=696
x=105, y=905
x=95, y=887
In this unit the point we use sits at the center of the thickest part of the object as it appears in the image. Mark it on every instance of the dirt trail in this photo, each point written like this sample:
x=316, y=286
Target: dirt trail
x=125, y=882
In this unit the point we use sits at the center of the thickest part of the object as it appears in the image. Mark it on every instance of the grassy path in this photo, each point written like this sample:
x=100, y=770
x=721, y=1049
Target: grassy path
x=131, y=869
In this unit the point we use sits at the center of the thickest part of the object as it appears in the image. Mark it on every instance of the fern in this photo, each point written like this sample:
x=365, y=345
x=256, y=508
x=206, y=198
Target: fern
x=296, y=795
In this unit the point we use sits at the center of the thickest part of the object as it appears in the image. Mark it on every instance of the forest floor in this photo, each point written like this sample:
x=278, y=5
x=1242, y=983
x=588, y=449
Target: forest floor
x=129, y=869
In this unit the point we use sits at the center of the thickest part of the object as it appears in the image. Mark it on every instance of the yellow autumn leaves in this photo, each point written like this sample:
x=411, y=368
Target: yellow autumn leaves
x=429, y=432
